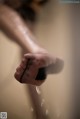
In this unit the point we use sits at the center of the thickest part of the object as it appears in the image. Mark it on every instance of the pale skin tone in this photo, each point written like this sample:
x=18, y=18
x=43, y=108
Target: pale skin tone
x=17, y=29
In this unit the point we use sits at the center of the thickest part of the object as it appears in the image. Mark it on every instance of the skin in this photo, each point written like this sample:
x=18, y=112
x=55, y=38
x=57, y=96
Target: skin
x=17, y=29
x=38, y=60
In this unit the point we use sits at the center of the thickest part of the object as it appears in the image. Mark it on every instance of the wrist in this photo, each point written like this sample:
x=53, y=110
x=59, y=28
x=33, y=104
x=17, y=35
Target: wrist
x=40, y=50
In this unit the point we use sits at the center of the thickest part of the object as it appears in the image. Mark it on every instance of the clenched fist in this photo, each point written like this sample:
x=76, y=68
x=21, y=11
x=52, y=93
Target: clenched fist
x=35, y=67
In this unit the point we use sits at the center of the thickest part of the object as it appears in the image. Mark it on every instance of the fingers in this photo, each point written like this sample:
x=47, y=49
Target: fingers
x=30, y=73
x=41, y=60
x=20, y=69
x=35, y=58
x=28, y=69
x=35, y=66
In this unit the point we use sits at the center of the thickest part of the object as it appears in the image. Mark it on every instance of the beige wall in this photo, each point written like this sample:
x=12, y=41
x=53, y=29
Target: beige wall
x=54, y=33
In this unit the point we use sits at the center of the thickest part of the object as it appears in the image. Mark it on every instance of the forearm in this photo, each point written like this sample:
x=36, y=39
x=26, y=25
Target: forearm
x=14, y=25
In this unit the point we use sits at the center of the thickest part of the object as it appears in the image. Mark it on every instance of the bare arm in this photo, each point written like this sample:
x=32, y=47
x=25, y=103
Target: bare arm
x=15, y=27
x=38, y=58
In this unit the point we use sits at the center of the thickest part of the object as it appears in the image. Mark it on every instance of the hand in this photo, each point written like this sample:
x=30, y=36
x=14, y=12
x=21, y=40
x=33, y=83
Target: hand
x=30, y=66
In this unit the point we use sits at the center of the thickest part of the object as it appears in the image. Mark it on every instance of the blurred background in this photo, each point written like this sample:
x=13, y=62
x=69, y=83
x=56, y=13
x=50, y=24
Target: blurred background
x=57, y=30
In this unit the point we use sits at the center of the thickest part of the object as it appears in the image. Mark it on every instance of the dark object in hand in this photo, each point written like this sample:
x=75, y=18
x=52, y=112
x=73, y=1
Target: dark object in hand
x=41, y=74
